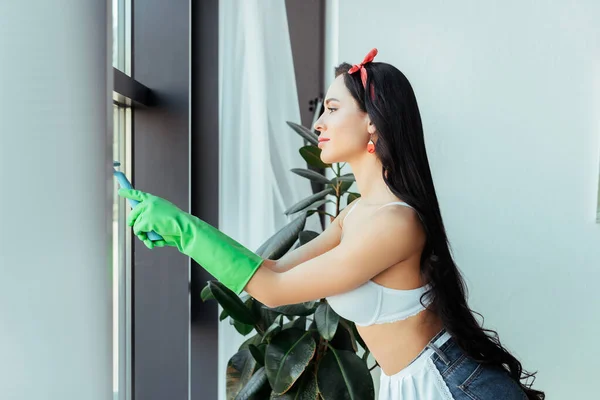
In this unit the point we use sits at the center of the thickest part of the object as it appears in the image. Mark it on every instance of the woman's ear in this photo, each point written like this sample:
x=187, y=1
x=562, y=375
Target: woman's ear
x=371, y=127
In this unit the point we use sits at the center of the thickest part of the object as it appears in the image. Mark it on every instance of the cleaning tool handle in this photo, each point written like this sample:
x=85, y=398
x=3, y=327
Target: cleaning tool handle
x=125, y=184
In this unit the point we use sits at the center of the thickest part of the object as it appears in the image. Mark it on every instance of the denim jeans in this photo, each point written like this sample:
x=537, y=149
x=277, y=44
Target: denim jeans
x=469, y=380
x=442, y=371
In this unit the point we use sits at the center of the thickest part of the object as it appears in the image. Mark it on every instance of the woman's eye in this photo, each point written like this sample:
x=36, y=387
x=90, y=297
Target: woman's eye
x=331, y=109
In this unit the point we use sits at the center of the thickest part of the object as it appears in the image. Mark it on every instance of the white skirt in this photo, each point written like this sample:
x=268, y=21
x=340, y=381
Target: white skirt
x=420, y=380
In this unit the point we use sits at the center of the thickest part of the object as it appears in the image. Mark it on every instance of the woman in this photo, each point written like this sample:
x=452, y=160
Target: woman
x=383, y=263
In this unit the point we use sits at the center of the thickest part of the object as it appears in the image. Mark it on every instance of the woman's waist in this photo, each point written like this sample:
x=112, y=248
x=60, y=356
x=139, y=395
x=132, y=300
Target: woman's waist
x=394, y=345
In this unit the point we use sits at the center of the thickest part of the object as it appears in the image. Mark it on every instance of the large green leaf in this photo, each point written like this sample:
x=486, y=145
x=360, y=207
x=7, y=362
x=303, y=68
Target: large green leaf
x=347, y=178
x=307, y=134
x=311, y=208
x=255, y=340
x=286, y=358
x=344, y=185
x=299, y=323
x=309, y=201
x=239, y=371
x=327, y=321
x=232, y=303
x=257, y=387
x=310, y=174
x=243, y=329
x=312, y=328
x=299, y=309
x=312, y=155
x=258, y=352
x=343, y=375
x=266, y=315
x=206, y=294
x=349, y=328
x=254, y=387
x=273, y=330
x=223, y=315
x=306, y=236
x=351, y=197
x=279, y=244
x=304, y=389
x=344, y=339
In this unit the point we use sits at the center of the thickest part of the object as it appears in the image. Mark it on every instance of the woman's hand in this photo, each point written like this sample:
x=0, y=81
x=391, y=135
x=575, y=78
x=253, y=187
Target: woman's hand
x=154, y=214
x=224, y=258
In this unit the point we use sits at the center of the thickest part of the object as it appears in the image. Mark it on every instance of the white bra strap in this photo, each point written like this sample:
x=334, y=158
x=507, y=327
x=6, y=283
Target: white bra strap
x=352, y=209
x=395, y=202
x=388, y=204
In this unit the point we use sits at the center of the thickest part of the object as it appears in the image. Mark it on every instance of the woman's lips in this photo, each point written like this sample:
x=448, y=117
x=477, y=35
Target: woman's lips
x=321, y=141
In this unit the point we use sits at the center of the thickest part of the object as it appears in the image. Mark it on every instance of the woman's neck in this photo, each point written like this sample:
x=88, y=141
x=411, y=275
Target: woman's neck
x=368, y=173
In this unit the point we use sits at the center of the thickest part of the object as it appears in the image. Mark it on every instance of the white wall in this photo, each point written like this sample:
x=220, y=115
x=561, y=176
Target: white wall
x=55, y=200
x=509, y=95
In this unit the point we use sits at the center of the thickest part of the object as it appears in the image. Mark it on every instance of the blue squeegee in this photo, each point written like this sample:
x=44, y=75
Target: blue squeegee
x=125, y=184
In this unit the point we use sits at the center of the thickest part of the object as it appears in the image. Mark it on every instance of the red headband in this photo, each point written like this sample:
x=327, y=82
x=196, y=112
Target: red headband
x=363, y=71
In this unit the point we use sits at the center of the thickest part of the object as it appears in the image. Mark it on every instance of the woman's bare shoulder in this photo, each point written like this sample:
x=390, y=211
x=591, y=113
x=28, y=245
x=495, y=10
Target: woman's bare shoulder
x=394, y=213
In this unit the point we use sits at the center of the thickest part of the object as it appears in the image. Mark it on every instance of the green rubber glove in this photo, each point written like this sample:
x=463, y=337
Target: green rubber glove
x=224, y=258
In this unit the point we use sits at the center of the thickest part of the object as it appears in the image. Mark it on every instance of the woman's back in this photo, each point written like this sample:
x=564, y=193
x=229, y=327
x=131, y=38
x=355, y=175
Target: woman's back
x=394, y=344
x=418, y=357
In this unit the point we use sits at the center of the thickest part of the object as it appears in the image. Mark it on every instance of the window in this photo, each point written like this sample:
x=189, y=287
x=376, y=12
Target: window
x=122, y=35
x=121, y=271
x=121, y=263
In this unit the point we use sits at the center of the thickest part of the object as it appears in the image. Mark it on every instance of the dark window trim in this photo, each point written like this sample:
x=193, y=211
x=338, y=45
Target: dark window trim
x=204, y=180
x=160, y=279
x=128, y=92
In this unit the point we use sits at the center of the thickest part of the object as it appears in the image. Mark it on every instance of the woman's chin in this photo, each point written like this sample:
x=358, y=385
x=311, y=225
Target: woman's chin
x=326, y=157
x=330, y=159
x=327, y=160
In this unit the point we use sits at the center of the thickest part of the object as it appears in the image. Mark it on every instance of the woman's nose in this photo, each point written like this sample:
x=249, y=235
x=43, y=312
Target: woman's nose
x=319, y=124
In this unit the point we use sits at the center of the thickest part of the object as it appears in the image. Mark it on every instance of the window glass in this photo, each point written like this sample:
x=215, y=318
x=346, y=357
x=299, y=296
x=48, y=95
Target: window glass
x=121, y=28
x=121, y=263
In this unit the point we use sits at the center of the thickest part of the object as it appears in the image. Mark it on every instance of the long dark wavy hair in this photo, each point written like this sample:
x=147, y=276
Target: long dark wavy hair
x=400, y=146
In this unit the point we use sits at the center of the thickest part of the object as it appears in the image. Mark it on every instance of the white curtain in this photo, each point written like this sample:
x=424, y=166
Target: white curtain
x=257, y=95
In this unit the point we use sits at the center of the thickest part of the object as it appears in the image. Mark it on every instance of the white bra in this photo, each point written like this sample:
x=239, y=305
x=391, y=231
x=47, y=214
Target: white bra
x=372, y=303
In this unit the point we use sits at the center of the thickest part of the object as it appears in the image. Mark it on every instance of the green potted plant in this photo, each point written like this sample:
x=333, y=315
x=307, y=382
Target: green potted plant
x=298, y=351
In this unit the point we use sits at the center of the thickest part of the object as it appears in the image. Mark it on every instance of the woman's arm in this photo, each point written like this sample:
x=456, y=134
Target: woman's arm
x=234, y=265
x=326, y=241
x=388, y=239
